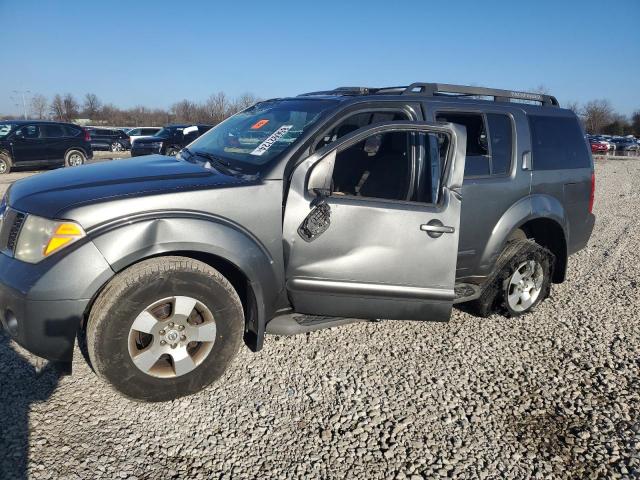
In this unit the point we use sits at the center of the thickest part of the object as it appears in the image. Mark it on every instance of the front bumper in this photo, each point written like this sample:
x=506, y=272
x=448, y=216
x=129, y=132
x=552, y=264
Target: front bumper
x=139, y=150
x=43, y=305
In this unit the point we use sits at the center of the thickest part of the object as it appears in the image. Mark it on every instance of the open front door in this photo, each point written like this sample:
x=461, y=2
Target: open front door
x=371, y=223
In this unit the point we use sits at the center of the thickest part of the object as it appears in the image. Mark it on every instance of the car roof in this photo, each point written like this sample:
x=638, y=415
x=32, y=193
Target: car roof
x=30, y=122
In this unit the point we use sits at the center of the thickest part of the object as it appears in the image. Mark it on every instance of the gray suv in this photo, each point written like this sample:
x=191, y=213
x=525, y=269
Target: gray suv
x=293, y=215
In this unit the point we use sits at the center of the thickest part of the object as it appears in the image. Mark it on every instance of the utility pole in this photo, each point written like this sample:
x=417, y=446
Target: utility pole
x=24, y=101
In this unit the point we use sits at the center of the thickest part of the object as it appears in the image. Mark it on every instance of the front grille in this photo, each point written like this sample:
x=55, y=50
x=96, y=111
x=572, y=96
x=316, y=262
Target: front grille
x=11, y=224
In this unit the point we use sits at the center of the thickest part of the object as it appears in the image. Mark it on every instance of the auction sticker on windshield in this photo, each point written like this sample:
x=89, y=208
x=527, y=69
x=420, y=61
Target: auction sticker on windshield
x=259, y=124
x=271, y=139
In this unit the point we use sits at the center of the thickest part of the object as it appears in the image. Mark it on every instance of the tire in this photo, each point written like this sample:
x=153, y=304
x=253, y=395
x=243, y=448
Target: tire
x=129, y=297
x=74, y=158
x=5, y=165
x=495, y=293
x=116, y=147
x=172, y=151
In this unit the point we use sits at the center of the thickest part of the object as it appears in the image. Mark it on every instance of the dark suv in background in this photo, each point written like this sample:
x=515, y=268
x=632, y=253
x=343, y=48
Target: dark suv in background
x=168, y=141
x=109, y=139
x=31, y=143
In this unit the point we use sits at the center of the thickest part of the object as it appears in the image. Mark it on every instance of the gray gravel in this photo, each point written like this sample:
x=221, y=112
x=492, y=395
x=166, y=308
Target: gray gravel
x=553, y=394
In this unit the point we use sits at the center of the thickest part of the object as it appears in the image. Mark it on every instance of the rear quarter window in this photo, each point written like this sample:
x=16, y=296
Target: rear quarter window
x=72, y=131
x=557, y=143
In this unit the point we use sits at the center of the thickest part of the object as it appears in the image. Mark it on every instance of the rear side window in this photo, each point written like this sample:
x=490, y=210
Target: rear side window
x=72, y=131
x=557, y=143
x=489, y=142
x=51, y=131
x=500, y=136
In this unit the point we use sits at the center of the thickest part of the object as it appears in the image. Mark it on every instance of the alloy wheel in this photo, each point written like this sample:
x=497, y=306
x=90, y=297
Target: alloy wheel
x=172, y=336
x=75, y=160
x=525, y=285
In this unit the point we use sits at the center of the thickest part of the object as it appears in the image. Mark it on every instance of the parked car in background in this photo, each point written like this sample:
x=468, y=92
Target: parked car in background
x=109, y=139
x=625, y=144
x=142, y=132
x=169, y=140
x=598, y=146
x=32, y=143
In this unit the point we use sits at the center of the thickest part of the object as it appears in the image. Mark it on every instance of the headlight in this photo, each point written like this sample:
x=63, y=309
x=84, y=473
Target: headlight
x=40, y=237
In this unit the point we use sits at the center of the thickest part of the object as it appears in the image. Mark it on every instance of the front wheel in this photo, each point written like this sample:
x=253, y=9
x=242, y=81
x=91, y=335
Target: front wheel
x=165, y=328
x=172, y=151
x=74, y=158
x=116, y=147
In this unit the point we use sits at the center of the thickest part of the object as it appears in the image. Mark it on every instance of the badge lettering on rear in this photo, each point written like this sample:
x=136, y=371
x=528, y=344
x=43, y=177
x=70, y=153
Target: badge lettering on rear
x=271, y=139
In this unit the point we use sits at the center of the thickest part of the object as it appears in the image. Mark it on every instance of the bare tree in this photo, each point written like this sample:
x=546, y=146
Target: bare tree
x=92, y=105
x=542, y=89
x=57, y=108
x=635, y=123
x=39, y=106
x=185, y=111
x=244, y=101
x=597, y=114
x=217, y=107
x=574, y=107
x=70, y=107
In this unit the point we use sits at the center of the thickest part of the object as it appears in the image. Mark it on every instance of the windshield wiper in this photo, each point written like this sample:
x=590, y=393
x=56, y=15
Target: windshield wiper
x=218, y=162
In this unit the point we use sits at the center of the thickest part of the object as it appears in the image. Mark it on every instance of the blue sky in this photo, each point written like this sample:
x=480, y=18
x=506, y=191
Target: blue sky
x=154, y=53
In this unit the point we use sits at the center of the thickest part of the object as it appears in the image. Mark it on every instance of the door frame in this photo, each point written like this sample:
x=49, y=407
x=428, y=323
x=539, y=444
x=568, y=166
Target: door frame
x=302, y=201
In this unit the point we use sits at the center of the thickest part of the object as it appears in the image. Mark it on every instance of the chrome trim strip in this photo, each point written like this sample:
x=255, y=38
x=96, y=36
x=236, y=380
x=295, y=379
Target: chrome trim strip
x=340, y=287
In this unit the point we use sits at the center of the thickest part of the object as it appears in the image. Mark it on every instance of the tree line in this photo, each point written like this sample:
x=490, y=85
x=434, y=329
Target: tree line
x=67, y=108
x=597, y=116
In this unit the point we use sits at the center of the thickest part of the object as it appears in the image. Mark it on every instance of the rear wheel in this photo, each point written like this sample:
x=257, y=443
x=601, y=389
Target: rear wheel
x=165, y=328
x=5, y=165
x=74, y=158
x=522, y=280
x=172, y=151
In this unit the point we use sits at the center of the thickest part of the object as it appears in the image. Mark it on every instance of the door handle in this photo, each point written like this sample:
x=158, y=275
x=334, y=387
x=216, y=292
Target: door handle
x=435, y=228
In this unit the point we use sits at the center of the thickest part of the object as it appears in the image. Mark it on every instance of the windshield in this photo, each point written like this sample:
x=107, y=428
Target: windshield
x=5, y=129
x=254, y=137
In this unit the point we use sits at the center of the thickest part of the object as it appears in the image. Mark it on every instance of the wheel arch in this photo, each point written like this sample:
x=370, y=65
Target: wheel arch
x=541, y=218
x=240, y=258
x=81, y=149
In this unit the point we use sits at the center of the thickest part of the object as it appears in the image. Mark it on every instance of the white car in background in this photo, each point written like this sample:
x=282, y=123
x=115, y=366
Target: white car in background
x=142, y=132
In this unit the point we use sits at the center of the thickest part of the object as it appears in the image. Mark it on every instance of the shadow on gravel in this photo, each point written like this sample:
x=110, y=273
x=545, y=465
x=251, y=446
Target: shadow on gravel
x=20, y=387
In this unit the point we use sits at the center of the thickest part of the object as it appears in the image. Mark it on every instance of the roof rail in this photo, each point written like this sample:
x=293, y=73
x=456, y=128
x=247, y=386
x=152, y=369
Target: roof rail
x=444, y=89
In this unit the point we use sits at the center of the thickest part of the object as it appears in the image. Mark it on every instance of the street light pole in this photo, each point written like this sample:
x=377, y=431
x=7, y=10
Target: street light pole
x=24, y=101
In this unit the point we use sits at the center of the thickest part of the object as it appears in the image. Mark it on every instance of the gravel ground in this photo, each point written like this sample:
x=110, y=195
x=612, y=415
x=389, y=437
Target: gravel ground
x=554, y=394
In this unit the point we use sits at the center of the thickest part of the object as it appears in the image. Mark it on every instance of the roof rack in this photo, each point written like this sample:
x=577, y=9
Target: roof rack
x=444, y=90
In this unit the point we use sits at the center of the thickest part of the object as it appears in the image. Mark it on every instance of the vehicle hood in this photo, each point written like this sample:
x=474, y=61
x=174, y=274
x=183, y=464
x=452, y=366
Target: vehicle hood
x=49, y=194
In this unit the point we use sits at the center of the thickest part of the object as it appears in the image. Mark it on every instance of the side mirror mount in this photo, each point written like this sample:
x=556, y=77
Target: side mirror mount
x=319, y=184
x=18, y=133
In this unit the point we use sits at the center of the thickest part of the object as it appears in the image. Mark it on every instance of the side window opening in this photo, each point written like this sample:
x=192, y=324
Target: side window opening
x=356, y=121
x=478, y=161
x=489, y=142
x=381, y=165
x=30, y=131
x=377, y=167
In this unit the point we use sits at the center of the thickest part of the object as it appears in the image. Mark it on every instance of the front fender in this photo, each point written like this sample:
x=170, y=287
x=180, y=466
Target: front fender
x=125, y=244
x=526, y=209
